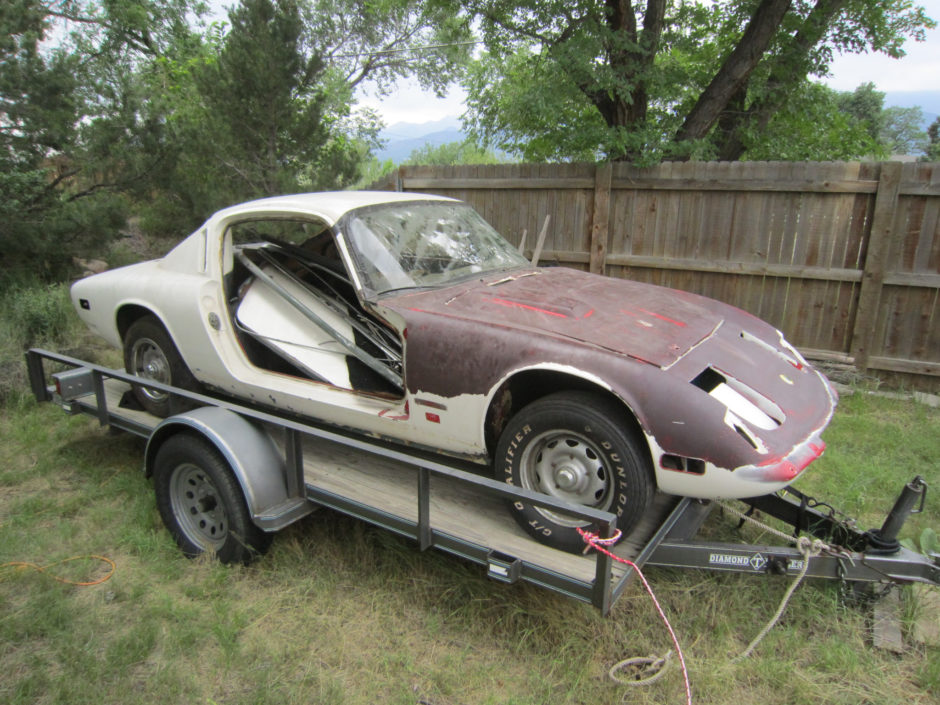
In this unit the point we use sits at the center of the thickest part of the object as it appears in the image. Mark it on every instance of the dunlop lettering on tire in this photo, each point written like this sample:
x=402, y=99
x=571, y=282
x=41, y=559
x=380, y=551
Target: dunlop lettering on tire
x=577, y=447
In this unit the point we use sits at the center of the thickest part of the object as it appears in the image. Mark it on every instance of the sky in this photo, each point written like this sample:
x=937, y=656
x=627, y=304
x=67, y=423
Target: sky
x=919, y=70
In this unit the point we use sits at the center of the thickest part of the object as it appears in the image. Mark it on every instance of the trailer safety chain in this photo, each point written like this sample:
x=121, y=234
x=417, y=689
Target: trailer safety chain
x=21, y=565
x=808, y=547
x=601, y=545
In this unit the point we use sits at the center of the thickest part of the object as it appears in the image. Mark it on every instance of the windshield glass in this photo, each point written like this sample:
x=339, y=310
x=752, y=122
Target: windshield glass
x=424, y=244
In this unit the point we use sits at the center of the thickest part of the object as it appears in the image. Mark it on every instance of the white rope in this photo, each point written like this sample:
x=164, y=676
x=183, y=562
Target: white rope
x=808, y=547
x=650, y=664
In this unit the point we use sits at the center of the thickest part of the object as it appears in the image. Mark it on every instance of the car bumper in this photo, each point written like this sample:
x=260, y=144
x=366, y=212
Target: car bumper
x=708, y=481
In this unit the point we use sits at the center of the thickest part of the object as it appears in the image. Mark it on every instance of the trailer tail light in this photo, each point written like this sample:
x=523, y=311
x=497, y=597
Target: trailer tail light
x=72, y=384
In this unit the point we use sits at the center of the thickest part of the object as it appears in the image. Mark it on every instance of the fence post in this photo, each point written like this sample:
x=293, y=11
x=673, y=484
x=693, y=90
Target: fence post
x=600, y=221
x=880, y=235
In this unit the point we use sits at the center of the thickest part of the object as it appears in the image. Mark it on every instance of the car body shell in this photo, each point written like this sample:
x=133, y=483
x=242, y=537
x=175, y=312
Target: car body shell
x=726, y=406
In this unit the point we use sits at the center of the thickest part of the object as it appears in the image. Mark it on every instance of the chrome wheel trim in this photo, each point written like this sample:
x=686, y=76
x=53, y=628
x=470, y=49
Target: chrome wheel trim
x=149, y=361
x=567, y=466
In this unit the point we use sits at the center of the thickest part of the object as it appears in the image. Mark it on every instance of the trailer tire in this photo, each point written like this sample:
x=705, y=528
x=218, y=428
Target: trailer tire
x=149, y=352
x=201, y=502
x=574, y=446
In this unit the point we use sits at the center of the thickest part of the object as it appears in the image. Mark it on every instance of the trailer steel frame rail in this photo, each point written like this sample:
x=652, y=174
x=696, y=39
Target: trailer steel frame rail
x=608, y=581
x=857, y=557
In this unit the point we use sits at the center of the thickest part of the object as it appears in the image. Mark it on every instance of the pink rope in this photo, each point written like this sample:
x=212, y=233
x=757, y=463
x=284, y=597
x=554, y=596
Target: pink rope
x=599, y=544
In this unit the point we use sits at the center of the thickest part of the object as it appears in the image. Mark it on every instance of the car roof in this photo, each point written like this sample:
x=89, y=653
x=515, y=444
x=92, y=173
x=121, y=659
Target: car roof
x=331, y=205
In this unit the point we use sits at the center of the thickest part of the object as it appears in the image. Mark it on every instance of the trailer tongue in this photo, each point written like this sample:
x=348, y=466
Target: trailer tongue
x=285, y=469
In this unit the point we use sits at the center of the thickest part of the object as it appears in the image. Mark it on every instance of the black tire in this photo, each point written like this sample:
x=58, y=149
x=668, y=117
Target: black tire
x=575, y=446
x=201, y=502
x=150, y=352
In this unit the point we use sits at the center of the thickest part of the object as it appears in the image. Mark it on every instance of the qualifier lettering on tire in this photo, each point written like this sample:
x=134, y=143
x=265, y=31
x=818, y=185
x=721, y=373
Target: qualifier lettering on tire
x=577, y=447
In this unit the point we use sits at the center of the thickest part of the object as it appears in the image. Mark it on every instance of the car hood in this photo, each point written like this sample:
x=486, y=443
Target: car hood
x=648, y=323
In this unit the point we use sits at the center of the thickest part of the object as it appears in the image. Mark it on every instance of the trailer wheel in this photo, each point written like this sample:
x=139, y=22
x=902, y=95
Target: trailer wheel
x=202, y=504
x=149, y=352
x=572, y=446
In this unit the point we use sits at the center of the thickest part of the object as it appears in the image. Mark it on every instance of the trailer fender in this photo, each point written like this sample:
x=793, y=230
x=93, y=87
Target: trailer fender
x=249, y=451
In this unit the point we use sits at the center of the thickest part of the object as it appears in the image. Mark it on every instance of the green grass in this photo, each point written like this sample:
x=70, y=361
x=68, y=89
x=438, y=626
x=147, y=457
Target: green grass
x=339, y=612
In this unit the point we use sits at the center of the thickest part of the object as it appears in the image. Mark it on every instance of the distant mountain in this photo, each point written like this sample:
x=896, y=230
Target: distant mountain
x=402, y=138
x=928, y=101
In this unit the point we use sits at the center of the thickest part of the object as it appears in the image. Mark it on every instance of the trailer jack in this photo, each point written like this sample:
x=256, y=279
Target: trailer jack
x=885, y=539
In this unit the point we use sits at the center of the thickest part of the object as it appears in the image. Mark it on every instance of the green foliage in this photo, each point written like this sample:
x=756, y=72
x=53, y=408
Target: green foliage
x=466, y=152
x=902, y=132
x=371, y=171
x=587, y=80
x=38, y=314
x=74, y=140
x=262, y=101
x=928, y=543
x=114, y=107
x=819, y=124
x=933, y=142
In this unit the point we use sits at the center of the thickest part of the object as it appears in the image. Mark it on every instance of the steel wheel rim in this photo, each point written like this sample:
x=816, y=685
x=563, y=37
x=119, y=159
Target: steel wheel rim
x=149, y=361
x=197, y=507
x=567, y=466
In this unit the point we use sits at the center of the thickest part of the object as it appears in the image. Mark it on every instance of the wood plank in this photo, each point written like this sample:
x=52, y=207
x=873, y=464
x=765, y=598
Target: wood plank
x=886, y=623
x=435, y=183
x=742, y=268
x=455, y=508
x=880, y=234
x=917, y=367
x=747, y=185
x=600, y=219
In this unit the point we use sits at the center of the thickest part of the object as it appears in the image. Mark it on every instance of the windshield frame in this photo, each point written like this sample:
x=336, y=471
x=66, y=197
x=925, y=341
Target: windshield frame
x=510, y=258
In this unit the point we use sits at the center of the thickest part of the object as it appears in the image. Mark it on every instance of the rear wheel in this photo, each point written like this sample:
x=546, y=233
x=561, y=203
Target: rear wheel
x=202, y=504
x=576, y=447
x=149, y=352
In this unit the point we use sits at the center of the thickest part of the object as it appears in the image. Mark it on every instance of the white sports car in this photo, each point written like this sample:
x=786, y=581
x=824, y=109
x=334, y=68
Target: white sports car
x=408, y=317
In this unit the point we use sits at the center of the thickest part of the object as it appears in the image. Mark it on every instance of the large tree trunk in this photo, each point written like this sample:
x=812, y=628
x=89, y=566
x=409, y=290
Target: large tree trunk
x=788, y=68
x=631, y=59
x=735, y=71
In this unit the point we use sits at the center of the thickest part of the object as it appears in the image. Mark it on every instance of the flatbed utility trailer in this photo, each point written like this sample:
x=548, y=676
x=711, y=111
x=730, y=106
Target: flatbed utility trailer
x=443, y=504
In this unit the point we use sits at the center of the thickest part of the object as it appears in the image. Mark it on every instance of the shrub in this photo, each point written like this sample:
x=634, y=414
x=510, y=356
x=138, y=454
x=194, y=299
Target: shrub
x=38, y=314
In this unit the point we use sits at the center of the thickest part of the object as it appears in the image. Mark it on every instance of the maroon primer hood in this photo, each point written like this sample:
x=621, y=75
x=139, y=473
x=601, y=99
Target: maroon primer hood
x=648, y=323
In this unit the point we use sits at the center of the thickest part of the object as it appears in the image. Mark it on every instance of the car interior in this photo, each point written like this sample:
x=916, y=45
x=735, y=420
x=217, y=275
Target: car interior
x=295, y=310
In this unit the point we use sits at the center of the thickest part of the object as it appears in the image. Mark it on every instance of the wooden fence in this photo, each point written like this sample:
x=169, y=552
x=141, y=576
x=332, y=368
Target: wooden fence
x=844, y=258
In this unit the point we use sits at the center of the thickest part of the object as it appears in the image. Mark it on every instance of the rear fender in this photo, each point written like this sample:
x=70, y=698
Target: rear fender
x=249, y=451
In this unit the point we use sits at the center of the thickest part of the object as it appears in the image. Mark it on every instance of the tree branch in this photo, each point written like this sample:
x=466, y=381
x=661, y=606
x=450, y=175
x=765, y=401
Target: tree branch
x=735, y=70
x=788, y=68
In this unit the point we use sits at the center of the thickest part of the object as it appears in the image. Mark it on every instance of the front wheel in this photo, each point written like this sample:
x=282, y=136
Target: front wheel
x=201, y=502
x=576, y=447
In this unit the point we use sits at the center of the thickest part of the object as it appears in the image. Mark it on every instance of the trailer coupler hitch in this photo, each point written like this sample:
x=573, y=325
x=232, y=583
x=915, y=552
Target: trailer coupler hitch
x=885, y=540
